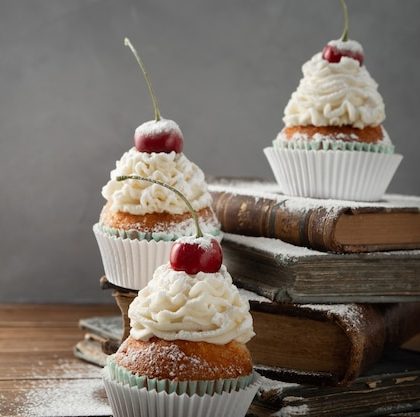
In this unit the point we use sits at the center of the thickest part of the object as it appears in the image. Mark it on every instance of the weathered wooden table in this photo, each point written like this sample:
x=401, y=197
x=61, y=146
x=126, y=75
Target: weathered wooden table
x=39, y=376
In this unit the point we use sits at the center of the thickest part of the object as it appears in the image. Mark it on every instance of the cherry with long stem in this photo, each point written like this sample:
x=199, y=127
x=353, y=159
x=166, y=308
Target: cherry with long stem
x=152, y=94
x=159, y=135
x=345, y=34
x=333, y=51
x=199, y=254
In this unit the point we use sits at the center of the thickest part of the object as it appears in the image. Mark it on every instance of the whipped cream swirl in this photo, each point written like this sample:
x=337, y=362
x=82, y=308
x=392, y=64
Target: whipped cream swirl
x=205, y=307
x=141, y=197
x=335, y=94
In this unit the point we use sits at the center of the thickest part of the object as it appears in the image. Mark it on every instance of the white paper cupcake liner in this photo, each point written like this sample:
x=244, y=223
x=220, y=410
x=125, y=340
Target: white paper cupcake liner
x=341, y=175
x=129, y=401
x=130, y=263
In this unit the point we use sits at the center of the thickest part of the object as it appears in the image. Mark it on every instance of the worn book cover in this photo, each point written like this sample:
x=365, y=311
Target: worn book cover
x=257, y=209
x=390, y=387
x=286, y=273
x=314, y=343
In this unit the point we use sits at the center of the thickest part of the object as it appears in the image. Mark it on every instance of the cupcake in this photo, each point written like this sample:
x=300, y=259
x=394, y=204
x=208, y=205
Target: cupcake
x=140, y=220
x=333, y=144
x=186, y=353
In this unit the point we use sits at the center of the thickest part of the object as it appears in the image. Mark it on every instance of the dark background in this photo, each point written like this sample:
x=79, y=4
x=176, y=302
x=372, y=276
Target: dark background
x=71, y=97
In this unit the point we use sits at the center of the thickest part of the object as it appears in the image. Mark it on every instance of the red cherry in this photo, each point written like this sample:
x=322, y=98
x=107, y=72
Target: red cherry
x=194, y=257
x=166, y=141
x=158, y=135
x=332, y=54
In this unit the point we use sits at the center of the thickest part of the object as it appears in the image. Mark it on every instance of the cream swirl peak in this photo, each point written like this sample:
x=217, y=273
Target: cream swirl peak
x=335, y=94
x=140, y=197
x=205, y=307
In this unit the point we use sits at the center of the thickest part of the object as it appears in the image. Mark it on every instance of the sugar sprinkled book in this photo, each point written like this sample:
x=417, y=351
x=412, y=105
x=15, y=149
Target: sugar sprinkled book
x=391, y=386
x=321, y=344
x=326, y=344
x=286, y=273
x=258, y=209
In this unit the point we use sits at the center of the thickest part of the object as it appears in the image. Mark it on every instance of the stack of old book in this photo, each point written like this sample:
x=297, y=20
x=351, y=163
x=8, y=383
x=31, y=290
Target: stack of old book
x=338, y=291
x=334, y=289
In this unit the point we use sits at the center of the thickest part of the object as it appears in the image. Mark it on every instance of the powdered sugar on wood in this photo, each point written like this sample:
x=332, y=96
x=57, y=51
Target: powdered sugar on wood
x=284, y=251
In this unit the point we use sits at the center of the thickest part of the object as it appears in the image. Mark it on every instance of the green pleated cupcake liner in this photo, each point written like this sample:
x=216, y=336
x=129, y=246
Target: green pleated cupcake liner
x=134, y=234
x=129, y=401
x=202, y=387
x=334, y=145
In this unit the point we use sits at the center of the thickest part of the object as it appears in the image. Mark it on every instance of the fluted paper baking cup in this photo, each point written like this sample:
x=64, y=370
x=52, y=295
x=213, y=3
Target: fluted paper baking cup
x=130, y=263
x=129, y=401
x=341, y=175
x=120, y=374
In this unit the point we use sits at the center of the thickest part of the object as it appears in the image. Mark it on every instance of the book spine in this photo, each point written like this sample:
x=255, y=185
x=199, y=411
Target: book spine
x=251, y=216
x=370, y=330
x=401, y=322
x=379, y=327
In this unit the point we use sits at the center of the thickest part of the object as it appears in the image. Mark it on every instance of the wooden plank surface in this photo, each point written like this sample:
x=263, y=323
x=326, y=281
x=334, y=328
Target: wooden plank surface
x=39, y=376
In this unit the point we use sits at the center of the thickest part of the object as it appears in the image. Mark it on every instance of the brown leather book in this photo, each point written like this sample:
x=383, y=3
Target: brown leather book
x=257, y=209
x=90, y=349
x=390, y=388
x=313, y=343
x=326, y=344
x=316, y=344
x=286, y=273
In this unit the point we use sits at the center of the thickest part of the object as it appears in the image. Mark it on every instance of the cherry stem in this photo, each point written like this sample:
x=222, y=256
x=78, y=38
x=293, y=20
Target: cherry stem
x=173, y=189
x=345, y=34
x=146, y=77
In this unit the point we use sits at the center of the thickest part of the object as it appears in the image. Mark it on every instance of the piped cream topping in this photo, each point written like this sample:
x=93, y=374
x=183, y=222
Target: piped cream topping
x=205, y=307
x=335, y=94
x=141, y=197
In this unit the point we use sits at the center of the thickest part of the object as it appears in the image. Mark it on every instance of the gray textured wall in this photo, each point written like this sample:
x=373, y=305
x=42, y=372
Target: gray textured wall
x=71, y=97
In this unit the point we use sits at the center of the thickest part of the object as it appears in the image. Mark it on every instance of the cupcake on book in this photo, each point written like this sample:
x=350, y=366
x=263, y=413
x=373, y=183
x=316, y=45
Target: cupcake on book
x=186, y=353
x=140, y=221
x=333, y=144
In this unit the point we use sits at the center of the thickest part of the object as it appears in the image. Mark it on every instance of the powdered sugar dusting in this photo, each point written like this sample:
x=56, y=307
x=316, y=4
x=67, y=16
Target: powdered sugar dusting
x=324, y=141
x=153, y=127
x=64, y=398
x=203, y=242
x=64, y=368
x=273, y=386
x=351, y=314
x=271, y=191
x=292, y=410
x=255, y=189
x=251, y=296
x=284, y=251
x=180, y=366
x=349, y=45
x=167, y=231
